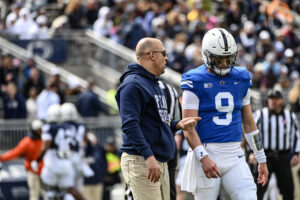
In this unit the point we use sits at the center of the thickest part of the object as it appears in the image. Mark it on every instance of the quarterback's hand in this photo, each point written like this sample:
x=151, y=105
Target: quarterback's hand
x=188, y=124
x=210, y=168
x=153, y=167
x=34, y=165
x=263, y=174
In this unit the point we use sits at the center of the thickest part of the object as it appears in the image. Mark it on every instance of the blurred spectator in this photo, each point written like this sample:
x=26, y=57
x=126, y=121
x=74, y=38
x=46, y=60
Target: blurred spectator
x=61, y=86
x=260, y=27
x=271, y=69
x=252, y=10
x=279, y=10
x=103, y=24
x=75, y=12
x=279, y=51
x=42, y=32
x=178, y=60
x=150, y=15
x=294, y=96
x=31, y=104
x=34, y=81
x=291, y=38
x=196, y=29
x=88, y=103
x=136, y=32
x=264, y=41
x=8, y=72
x=192, y=48
x=47, y=98
x=73, y=87
x=247, y=36
x=35, y=5
x=13, y=103
x=92, y=7
x=197, y=12
x=111, y=100
x=10, y=24
x=29, y=147
x=95, y=156
x=259, y=80
x=176, y=23
x=29, y=65
x=112, y=177
x=11, y=19
x=25, y=26
x=288, y=60
x=234, y=14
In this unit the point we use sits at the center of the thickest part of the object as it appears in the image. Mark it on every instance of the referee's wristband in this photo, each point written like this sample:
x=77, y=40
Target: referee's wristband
x=200, y=152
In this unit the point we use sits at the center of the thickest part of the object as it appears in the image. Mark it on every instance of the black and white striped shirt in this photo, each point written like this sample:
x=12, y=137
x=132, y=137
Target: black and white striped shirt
x=172, y=97
x=280, y=132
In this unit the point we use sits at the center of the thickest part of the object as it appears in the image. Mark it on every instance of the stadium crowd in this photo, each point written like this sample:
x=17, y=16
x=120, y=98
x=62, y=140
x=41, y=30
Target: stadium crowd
x=267, y=37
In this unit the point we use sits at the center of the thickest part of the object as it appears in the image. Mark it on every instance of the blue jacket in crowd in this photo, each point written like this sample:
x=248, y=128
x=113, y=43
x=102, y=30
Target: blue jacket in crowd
x=89, y=105
x=146, y=127
x=14, y=108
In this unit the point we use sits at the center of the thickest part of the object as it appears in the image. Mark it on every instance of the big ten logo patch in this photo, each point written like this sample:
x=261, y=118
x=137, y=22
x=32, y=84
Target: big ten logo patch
x=162, y=106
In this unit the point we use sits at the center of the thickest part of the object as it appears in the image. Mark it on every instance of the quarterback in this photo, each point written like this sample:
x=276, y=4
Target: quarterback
x=219, y=93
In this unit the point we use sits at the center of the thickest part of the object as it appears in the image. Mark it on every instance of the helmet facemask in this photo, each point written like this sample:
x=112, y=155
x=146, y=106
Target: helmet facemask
x=213, y=62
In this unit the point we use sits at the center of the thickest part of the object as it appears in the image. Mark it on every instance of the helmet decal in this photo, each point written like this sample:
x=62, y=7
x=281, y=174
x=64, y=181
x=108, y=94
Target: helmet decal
x=225, y=39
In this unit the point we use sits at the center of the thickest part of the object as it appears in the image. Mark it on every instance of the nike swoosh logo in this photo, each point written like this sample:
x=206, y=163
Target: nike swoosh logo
x=240, y=156
x=236, y=82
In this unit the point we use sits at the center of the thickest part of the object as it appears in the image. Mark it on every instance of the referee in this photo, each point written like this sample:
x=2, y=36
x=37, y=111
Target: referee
x=281, y=139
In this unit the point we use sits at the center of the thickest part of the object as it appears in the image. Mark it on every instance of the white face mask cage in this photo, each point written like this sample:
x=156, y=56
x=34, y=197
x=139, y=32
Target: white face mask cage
x=213, y=62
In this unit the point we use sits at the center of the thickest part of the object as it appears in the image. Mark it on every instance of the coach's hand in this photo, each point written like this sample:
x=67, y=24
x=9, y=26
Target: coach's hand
x=153, y=167
x=263, y=174
x=188, y=124
x=210, y=168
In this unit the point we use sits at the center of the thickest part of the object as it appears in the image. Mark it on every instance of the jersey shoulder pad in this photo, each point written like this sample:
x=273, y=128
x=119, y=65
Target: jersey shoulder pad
x=241, y=72
x=191, y=77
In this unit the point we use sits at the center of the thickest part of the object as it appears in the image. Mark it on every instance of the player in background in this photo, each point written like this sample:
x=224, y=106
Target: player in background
x=78, y=131
x=58, y=173
x=220, y=94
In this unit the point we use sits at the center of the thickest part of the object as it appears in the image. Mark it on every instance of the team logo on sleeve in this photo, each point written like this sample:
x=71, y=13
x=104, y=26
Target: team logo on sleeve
x=208, y=85
x=188, y=83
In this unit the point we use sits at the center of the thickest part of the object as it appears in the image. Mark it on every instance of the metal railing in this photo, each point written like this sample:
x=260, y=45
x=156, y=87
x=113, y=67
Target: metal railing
x=12, y=131
x=46, y=66
x=87, y=48
x=118, y=57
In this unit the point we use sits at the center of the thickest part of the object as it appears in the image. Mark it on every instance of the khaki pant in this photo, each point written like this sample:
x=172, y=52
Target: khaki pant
x=93, y=192
x=34, y=184
x=135, y=174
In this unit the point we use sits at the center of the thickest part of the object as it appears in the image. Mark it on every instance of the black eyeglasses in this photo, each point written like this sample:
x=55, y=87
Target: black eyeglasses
x=164, y=53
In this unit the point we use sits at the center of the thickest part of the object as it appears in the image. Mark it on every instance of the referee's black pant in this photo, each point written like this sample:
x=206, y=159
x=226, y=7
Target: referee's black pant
x=279, y=163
